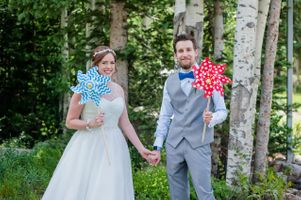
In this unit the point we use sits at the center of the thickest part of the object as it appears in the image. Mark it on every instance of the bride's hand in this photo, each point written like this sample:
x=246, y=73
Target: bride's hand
x=97, y=122
x=144, y=153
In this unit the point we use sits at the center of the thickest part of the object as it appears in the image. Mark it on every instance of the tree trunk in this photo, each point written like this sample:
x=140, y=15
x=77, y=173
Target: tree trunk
x=89, y=29
x=118, y=41
x=189, y=19
x=263, y=9
x=218, y=30
x=216, y=158
x=65, y=71
x=242, y=115
x=263, y=126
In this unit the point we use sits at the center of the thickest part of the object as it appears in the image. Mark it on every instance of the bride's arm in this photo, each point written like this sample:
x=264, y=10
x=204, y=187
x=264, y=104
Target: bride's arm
x=129, y=131
x=75, y=109
x=73, y=120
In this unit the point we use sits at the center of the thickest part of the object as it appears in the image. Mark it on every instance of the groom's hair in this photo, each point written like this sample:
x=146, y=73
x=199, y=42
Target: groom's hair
x=183, y=37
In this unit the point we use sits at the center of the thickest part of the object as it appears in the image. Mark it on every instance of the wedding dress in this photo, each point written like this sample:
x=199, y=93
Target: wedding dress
x=96, y=163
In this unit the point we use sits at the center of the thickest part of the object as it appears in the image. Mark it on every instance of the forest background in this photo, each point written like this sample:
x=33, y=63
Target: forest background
x=44, y=43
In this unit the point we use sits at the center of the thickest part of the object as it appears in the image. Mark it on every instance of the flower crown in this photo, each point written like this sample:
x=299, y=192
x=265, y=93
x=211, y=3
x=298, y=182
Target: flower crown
x=104, y=50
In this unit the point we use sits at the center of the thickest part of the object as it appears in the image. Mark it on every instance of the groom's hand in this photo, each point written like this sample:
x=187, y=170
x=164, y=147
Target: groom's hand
x=207, y=116
x=154, y=158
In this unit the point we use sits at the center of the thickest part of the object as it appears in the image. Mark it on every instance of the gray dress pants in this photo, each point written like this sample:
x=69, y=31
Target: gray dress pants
x=197, y=162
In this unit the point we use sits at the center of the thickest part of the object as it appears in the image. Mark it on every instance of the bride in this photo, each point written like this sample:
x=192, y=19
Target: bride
x=96, y=162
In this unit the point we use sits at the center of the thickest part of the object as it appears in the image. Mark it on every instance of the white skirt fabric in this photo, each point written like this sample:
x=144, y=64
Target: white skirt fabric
x=94, y=166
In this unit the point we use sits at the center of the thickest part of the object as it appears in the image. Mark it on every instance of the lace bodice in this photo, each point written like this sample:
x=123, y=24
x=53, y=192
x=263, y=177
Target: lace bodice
x=112, y=105
x=112, y=110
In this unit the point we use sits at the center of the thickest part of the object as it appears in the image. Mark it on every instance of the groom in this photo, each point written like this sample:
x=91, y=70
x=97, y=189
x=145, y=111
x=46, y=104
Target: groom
x=185, y=151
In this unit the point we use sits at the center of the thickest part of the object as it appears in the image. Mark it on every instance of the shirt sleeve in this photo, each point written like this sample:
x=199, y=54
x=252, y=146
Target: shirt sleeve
x=220, y=112
x=163, y=122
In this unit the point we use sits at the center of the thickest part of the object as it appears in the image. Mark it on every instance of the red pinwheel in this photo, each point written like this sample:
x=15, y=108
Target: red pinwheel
x=208, y=77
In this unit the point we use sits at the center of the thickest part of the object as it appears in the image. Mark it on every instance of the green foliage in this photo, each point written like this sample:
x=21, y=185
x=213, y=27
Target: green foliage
x=29, y=61
x=278, y=135
x=151, y=183
x=145, y=121
x=34, y=73
x=149, y=52
x=25, y=175
x=271, y=186
x=137, y=162
x=221, y=190
x=297, y=139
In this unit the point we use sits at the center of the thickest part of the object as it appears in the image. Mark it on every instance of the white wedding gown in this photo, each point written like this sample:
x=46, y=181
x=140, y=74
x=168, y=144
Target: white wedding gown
x=95, y=164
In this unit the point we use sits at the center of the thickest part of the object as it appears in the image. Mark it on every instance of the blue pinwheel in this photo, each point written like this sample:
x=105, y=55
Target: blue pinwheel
x=91, y=85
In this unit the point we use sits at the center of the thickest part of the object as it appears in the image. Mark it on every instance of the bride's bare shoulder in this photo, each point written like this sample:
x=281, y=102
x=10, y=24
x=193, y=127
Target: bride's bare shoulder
x=117, y=87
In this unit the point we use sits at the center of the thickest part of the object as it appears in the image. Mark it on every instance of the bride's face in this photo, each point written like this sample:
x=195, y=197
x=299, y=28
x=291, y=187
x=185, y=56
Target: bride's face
x=107, y=66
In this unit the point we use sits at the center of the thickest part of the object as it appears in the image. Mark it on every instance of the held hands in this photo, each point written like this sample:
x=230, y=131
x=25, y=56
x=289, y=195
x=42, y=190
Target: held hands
x=97, y=121
x=207, y=116
x=144, y=153
x=154, y=158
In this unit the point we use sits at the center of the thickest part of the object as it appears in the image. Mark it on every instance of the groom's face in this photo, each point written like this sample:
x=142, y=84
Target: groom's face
x=185, y=54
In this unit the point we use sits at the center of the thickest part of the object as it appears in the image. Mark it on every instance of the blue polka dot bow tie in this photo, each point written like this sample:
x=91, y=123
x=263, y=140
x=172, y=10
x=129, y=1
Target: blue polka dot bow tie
x=186, y=75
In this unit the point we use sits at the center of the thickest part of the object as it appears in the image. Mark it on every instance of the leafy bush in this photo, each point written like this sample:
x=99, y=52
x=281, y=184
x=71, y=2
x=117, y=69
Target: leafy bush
x=221, y=190
x=25, y=174
x=20, y=178
x=270, y=186
x=151, y=183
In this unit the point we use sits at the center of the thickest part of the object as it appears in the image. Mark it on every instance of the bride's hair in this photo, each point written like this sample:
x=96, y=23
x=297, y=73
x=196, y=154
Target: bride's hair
x=100, y=52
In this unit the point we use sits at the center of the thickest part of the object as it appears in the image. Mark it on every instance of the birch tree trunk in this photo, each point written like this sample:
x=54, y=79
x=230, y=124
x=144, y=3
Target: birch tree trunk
x=263, y=126
x=218, y=30
x=189, y=19
x=118, y=41
x=242, y=114
x=65, y=71
x=263, y=9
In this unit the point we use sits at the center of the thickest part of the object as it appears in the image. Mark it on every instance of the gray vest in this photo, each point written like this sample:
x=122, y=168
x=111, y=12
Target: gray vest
x=188, y=114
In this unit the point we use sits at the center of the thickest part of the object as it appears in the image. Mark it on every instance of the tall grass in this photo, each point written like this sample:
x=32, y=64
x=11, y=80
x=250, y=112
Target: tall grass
x=25, y=175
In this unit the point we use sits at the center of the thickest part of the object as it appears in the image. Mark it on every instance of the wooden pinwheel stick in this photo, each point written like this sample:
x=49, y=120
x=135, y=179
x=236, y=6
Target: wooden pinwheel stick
x=205, y=125
x=104, y=141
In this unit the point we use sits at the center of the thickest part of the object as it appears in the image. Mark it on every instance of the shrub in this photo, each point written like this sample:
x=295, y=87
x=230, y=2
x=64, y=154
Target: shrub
x=270, y=186
x=20, y=178
x=25, y=175
x=151, y=183
x=222, y=191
